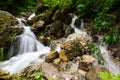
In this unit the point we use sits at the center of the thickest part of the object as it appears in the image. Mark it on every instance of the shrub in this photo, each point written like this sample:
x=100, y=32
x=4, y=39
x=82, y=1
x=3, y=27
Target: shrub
x=16, y=6
x=52, y=3
x=109, y=76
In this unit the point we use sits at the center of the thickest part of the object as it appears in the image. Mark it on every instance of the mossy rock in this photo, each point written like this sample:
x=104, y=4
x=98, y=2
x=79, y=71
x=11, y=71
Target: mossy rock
x=8, y=30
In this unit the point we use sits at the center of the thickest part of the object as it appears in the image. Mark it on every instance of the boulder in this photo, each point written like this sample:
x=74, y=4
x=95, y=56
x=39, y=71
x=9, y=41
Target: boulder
x=63, y=15
x=68, y=30
x=51, y=56
x=86, y=62
x=73, y=48
x=40, y=17
x=78, y=22
x=93, y=73
x=56, y=29
x=8, y=30
x=45, y=40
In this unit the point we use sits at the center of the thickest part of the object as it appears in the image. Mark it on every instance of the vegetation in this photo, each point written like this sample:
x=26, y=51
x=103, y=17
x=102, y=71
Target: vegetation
x=95, y=49
x=103, y=12
x=39, y=76
x=109, y=76
x=52, y=3
x=16, y=6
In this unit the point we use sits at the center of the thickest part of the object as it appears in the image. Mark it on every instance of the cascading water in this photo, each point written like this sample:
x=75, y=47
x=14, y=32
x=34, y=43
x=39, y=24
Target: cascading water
x=31, y=16
x=29, y=51
x=107, y=60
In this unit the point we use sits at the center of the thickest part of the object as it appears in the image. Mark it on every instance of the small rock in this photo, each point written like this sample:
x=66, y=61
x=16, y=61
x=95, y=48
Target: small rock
x=57, y=61
x=87, y=59
x=93, y=73
x=51, y=56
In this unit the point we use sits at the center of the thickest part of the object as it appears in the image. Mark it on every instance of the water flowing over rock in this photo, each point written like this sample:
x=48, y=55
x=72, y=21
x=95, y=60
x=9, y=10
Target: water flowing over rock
x=68, y=58
x=29, y=51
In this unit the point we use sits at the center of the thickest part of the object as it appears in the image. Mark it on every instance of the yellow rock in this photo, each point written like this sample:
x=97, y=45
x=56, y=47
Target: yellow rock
x=63, y=56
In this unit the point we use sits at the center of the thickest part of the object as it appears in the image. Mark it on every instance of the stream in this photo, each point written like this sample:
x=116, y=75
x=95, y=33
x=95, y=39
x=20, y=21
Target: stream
x=30, y=51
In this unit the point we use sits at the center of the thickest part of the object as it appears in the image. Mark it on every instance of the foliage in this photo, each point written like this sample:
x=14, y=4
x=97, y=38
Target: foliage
x=52, y=3
x=38, y=75
x=88, y=7
x=95, y=49
x=113, y=36
x=109, y=76
x=104, y=13
x=16, y=6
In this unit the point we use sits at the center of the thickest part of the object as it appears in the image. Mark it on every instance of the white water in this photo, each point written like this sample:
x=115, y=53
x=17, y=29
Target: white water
x=27, y=55
x=31, y=16
x=77, y=30
x=107, y=60
x=29, y=52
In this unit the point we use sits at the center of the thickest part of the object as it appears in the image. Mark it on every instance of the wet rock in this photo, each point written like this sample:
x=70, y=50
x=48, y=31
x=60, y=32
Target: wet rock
x=38, y=24
x=93, y=73
x=68, y=30
x=45, y=40
x=4, y=75
x=8, y=30
x=57, y=15
x=51, y=56
x=56, y=29
x=40, y=17
x=73, y=48
x=78, y=22
x=116, y=53
x=68, y=19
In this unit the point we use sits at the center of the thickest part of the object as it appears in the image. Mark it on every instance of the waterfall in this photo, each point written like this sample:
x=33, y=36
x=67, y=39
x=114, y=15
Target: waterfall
x=29, y=51
x=24, y=42
x=108, y=62
x=77, y=30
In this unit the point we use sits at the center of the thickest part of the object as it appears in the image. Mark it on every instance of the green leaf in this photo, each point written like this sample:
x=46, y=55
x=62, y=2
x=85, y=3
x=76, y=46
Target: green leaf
x=38, y=74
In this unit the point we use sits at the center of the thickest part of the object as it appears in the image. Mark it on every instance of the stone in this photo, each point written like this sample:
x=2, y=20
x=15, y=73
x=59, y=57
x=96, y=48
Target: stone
x=86, y=62
x=63, y=56
x=45, y=40
x=8, y=30
x=57, y=61
x=87, y=59
x=93, y=73
x=51, y=56
x=73, y=48
x=56, y=29
x=68, y=30
x=78, y=22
